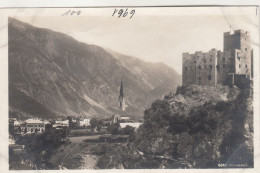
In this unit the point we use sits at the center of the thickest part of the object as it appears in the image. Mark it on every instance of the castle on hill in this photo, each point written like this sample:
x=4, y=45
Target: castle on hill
x=232, y=66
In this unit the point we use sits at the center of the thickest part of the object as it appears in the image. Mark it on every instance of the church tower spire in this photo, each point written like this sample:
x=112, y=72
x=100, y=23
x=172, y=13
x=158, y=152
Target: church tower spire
x=121, y=97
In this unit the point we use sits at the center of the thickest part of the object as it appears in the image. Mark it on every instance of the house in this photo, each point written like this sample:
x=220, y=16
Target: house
x=17, y=123
x=116, y=118
x=34, y=125
x=17, y=149
x=132, y=124
x=84, y=122
x=61, y=123
x=125, y=119
x=47, y=122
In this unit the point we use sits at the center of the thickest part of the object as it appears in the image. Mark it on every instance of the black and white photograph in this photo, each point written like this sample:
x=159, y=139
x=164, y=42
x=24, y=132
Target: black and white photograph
x=132, y=88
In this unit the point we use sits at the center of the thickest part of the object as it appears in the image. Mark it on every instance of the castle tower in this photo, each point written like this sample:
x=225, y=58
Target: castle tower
x=238, y=39
x=239, y=43
x=121, y=97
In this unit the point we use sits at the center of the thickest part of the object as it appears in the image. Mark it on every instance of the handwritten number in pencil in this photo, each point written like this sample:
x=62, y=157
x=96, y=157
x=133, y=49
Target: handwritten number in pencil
x=71, y=13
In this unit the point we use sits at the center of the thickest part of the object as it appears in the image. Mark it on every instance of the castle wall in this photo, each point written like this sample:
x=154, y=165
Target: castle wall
x=200, y=68
x=188, y=68
x=225, y=65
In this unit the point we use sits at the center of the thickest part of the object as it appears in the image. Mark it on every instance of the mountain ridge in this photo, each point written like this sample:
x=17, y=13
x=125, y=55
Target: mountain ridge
x=69, y=77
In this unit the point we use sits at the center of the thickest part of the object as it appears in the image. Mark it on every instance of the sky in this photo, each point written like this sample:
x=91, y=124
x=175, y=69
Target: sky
x=155, y=34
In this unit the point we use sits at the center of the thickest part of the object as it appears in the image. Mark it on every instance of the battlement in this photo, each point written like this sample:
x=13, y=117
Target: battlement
x=239, y=31
x=199, y=54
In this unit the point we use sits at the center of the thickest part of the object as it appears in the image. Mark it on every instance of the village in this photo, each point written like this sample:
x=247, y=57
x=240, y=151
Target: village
x=65, y=130
x=73, y=126
x=36, y=125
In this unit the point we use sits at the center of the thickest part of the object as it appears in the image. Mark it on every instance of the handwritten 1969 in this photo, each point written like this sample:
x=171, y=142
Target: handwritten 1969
x=123, y=13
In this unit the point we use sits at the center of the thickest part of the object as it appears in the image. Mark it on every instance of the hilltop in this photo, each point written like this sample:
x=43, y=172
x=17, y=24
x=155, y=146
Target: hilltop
x=195, y=127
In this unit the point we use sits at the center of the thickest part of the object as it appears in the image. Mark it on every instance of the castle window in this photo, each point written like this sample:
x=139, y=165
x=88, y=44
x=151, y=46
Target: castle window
x=246, y=66
x=224, y=65
x=199, y=78
x=204, y=61
x=210, y=55
x=245, y=49
x=217, y=66
x=239, y=65
x=195, y=62
x=223, y=59
x=185, y=68
x=199, y=67
x=238, y=58
x=209, y=77
x=210, y=66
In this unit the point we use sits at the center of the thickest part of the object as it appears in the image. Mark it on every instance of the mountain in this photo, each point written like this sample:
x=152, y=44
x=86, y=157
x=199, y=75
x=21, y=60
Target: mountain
x=65, y=77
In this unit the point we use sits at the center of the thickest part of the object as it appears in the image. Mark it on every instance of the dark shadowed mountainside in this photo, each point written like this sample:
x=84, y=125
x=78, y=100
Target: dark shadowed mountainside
x=61, y=76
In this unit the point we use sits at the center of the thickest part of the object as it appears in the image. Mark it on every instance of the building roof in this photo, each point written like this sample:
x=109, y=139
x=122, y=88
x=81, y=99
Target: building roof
x=33, y=121
x=125, y=117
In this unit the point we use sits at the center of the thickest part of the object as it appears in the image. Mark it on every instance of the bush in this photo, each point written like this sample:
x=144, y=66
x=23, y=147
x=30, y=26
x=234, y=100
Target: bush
x=101, y=149
x=103, y=162
x=113, y=128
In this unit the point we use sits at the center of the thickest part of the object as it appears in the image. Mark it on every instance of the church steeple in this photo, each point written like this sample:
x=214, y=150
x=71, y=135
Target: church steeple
x=121, y=89
x=121, y=97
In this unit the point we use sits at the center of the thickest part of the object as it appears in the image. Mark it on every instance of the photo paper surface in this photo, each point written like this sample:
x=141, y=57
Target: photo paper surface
x=131, y=88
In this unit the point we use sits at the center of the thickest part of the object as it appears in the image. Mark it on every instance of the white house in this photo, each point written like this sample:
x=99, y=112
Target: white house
x=84, y=122
x=60, y=123
x=125, y=118
x=135, y=125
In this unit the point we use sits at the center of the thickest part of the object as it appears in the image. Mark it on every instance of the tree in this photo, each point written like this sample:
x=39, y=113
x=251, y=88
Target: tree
x=69, y=118
x=113, y=128
x=93, y=123
x=128, y=130
x=72, y=124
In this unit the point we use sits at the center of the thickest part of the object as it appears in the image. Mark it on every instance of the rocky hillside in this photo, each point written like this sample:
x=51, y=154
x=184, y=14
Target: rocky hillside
x=196, y=127
x=65, y=77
